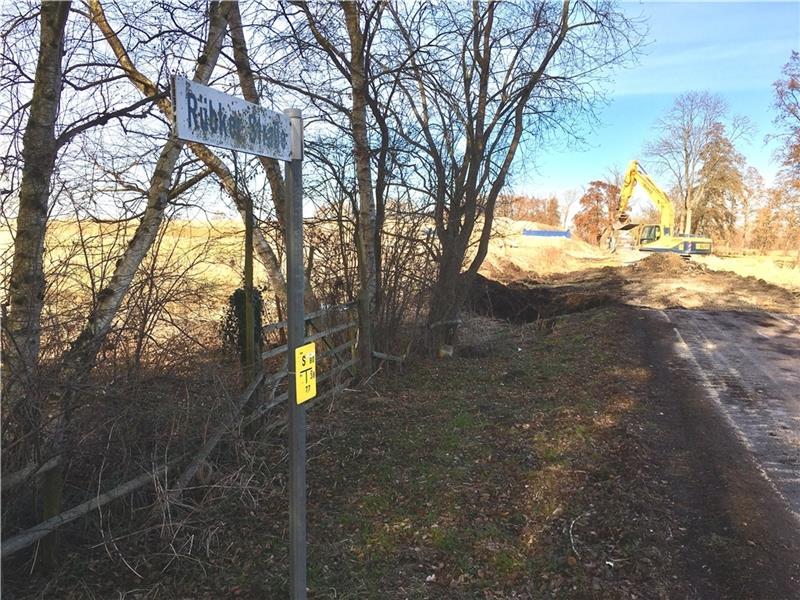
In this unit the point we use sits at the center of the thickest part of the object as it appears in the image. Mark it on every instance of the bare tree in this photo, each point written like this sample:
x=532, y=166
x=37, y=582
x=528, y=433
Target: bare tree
x=568, y=200
x=787, y=104
x=84, y=348
x=26, y=287
x=695, y=120
x=482, y=79
x=79, y=359
x=350, y=55
x=522, y=207
x=246, y=78
x=752, y=199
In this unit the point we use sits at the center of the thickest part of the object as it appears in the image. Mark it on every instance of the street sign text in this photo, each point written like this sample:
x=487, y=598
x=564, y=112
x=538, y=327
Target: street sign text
x=205, y=115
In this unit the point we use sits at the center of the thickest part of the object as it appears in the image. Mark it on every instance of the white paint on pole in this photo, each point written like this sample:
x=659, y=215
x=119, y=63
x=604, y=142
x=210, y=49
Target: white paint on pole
x=295, y=116
x=205, y=115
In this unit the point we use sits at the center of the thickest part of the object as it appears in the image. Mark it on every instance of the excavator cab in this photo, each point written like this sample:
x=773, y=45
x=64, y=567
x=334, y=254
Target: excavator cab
x=649, y=233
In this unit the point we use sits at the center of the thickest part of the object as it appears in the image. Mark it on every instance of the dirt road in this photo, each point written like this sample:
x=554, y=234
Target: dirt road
x=749, y=365
x=744, y=537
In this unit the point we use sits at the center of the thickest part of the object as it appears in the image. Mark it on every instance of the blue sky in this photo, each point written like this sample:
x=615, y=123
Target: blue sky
x=735, y=49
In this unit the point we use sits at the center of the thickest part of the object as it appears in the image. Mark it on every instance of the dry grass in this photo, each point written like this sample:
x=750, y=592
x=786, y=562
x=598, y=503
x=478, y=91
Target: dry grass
x=174, y=304
x=513, y=255
x=779, y=269
x=83, y=254
x=529, y=472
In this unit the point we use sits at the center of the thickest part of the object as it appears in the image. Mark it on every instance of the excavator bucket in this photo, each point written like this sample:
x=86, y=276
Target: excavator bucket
x=625, y=226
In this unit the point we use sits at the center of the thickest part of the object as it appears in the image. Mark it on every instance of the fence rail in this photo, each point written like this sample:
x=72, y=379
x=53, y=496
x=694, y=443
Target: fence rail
x=334, y=373
x=334, y=379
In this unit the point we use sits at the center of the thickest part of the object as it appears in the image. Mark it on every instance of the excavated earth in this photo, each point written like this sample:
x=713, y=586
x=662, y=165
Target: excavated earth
x=661, y=281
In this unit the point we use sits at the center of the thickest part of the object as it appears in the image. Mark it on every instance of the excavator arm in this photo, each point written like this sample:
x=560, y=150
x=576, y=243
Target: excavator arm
x=636, y=175
x=651, y=237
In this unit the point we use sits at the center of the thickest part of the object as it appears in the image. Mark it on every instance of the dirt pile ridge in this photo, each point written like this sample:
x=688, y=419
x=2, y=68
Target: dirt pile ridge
x=658, y=281
x=666, y=264
x=668, y=281
x=526, y=302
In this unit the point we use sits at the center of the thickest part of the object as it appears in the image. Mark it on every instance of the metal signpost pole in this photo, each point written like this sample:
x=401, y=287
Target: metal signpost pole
x=297, y=412
x=207, y=116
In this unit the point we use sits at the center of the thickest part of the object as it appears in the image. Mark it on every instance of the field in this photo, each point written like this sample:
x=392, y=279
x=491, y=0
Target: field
x=780, y=269
x=212, y=252
x=177, y=299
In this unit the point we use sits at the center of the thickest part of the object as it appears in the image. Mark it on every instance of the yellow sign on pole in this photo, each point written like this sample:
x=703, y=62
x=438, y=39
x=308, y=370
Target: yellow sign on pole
x=305, y=365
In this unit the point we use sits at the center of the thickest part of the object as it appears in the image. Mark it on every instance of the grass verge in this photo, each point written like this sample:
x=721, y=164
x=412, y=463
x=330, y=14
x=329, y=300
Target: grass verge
x=524, y=473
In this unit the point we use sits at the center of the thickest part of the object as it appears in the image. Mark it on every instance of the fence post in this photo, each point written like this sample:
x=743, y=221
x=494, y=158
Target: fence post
x=249, y=312
x=296, y=337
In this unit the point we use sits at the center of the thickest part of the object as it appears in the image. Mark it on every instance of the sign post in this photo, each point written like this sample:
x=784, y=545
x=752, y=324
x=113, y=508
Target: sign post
x=297, y=413
x=210, y=117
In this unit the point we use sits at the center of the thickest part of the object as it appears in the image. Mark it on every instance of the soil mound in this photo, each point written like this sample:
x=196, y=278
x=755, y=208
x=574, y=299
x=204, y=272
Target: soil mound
x=659, y=263
x=520, y=303
x=666, y=263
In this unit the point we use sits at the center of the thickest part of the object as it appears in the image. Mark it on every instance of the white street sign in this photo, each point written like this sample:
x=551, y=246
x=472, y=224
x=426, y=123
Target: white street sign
x=205, y=115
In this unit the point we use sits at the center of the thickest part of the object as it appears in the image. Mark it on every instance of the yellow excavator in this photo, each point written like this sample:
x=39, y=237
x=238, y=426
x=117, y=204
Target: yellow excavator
x=649, y=237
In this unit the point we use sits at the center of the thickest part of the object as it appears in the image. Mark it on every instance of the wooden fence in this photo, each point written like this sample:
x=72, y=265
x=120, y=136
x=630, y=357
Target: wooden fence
x=335, y=358
x=333, y=329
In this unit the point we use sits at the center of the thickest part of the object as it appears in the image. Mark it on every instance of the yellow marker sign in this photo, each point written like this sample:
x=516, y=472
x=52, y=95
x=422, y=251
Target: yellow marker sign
x=305, y=364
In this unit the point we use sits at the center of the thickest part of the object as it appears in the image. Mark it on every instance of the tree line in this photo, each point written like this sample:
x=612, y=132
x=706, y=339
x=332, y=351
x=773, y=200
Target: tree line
x=714, y=190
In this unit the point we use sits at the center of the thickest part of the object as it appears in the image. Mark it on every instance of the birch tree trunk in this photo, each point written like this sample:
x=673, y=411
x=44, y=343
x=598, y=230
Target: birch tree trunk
x=265, y=251
x=244, y=72
x=85, y=347
x=271, y=166
x=26, y=284
x=79, y=359
x=366, y=203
